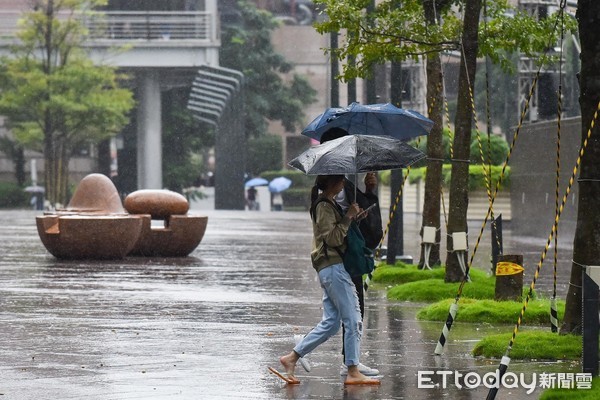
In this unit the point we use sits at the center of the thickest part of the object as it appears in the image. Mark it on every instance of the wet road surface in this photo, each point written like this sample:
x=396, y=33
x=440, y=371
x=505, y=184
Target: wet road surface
x=207, y=326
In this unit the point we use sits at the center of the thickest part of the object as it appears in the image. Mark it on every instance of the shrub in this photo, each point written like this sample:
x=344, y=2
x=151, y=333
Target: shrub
x=299, y=179
x=13, y=196
x=476, y=176
x=498, y=153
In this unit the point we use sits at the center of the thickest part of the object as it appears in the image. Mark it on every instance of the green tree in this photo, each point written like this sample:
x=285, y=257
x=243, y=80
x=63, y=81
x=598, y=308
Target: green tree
x=247, y=47
x=55, y=98
x=395, y=33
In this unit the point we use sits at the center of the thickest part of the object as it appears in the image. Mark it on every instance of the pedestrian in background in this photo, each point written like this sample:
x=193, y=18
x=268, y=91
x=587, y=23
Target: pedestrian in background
x=277, y=202
x=251, y=198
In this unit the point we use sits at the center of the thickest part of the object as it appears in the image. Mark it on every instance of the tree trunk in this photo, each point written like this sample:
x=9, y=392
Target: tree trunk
x=49, y=176
x=435, y=147
x=56, y=170
x=19, y=161
x=104, y=157
x=63, y=174
x=586, y=244
x=396, y=228
x=459, y=185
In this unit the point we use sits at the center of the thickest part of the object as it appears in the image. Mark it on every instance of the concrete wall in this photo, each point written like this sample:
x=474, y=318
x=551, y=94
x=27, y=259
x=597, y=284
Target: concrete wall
x=533, y=177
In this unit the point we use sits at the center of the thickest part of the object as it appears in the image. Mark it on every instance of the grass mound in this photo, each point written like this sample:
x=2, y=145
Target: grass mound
x=430, y=290
x=529, y=345
x=491, y=311
x=400, y=273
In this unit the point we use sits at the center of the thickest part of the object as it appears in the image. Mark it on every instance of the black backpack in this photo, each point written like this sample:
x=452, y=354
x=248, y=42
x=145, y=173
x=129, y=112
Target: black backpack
x=370, y=227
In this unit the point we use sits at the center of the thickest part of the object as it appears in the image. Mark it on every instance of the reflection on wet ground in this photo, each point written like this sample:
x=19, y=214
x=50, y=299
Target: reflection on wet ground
x=207, y=326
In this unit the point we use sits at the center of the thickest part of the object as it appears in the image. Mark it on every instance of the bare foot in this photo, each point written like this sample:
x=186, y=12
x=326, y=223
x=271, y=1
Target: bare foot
x=289, y=364
x=356, y=378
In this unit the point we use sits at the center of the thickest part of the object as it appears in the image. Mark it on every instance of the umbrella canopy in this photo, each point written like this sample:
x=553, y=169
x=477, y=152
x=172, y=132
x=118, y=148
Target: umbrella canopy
x=279, y=184
x=356, y=153
x=256, y=182
x=34, y=189
x=371, y=119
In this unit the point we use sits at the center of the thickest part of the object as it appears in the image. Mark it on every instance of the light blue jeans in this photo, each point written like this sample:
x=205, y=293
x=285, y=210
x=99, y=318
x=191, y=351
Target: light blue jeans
x=340, y=304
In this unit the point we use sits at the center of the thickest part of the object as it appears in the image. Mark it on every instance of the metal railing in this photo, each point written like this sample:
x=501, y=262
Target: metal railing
x=8, y=23
x=134, y=25
x=122, y=25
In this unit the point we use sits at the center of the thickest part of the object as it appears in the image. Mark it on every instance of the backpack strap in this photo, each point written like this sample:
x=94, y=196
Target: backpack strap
x=313, y=208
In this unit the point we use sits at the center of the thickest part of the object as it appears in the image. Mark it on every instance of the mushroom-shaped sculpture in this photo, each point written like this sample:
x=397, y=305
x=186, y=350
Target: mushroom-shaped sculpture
x=178, y=233
x=94, y=224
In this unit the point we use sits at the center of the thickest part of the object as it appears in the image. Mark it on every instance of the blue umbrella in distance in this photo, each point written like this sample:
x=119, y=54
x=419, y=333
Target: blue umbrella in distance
x=371, y=119
x=279, y=184
x=256, y=182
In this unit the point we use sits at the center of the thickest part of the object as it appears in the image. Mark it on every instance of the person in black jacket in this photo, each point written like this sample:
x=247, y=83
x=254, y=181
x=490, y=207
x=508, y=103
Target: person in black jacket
x=370, y=226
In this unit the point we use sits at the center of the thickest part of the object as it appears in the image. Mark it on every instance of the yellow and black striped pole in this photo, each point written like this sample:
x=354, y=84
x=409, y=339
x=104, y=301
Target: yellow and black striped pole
x=553, y=310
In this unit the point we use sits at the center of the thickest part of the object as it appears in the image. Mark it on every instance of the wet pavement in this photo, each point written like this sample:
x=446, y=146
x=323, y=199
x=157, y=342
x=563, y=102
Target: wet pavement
x=207, y=326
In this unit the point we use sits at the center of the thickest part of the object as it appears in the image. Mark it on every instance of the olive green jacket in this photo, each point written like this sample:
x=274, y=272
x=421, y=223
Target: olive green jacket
x=329, y=232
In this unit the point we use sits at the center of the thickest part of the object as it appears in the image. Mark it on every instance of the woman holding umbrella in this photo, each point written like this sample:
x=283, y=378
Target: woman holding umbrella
x=340, y=302
x=370, y=227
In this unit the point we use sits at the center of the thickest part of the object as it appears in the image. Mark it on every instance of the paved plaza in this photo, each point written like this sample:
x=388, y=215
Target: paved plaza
x=208, y=326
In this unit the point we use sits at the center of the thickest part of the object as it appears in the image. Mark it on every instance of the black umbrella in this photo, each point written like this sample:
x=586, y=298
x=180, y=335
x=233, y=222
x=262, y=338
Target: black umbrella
x=356, y=153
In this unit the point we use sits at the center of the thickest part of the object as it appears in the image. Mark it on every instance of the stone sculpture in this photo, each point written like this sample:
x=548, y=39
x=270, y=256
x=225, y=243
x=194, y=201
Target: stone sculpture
x=94, y=225
x=178, y=233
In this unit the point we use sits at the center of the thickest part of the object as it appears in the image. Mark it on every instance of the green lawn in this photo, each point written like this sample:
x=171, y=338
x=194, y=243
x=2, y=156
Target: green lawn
x=574, y=394
x=532, y=344
x=428, y=286
x=493, y=312
x=404, y=273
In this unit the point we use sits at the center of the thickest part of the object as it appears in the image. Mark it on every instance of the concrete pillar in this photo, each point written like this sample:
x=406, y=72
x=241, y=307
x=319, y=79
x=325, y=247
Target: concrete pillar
x=149, y=132
x=210, y=6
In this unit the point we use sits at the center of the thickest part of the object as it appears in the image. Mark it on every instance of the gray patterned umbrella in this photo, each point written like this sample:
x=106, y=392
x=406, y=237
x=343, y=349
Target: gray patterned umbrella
x=356, y=153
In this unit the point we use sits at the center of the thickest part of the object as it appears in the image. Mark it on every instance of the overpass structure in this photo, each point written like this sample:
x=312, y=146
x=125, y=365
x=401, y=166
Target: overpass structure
x=159, y=49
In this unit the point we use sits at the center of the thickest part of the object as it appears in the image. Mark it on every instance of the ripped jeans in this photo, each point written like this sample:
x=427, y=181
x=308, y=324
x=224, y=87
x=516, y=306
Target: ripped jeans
x=340, y=304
